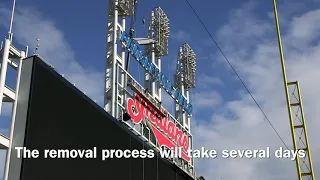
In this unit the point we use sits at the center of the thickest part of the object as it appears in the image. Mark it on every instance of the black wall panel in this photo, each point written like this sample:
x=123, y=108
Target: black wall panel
x=59, y=116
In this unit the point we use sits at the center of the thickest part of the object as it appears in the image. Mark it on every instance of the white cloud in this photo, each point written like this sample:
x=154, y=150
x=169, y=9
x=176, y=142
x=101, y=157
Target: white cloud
x=206, y=101
x=180, y=36
x=299, y=24
x=250, y=44
x=30, y=25
x=205, y=81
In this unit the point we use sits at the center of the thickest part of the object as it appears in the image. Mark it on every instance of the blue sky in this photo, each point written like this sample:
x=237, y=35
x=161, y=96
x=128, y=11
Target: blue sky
x=73, y=35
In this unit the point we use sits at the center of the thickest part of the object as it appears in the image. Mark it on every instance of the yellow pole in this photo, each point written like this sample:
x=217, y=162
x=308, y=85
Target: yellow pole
x=286, y=85
x=305, y=133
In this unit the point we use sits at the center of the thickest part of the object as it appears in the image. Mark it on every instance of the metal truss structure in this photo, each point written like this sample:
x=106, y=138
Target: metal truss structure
x=298, y=124
x=299, y=132
x=118, y=11
x=121, y=85
x=185, y=80
x=11, y=57
x=159, y=32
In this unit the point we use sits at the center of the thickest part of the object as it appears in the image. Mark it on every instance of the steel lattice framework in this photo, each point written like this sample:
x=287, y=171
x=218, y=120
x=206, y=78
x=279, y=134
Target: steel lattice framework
x=121, y=85
x=11, y=57
x=299, y=130
x=159, y=32
x=185, y=80
x=296, y=115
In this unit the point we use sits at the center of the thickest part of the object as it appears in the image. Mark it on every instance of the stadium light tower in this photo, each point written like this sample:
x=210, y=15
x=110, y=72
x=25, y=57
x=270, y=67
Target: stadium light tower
x=185, y=80
x=121, y=85
x=159, y=32
x=119, y=10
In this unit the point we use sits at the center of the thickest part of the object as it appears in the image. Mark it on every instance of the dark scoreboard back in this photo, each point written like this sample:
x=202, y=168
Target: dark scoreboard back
x=53, y=114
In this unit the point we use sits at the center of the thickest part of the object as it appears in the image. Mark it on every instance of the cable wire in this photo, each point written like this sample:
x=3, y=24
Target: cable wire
x=225, y=57
x=264, y=114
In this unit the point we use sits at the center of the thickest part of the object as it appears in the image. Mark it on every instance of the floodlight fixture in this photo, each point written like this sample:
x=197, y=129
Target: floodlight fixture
x=186, y=67
x=159, y=31
x=125, y=7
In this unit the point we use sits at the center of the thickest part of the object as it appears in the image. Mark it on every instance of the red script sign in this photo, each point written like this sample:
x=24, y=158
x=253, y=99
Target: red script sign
x=170, y=135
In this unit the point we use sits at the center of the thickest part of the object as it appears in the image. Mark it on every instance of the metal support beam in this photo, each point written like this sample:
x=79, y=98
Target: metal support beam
x=300, y=171
x=13, y=115
x=4, y=142
x=8, y=94
x=4, y=66
x=300, y=130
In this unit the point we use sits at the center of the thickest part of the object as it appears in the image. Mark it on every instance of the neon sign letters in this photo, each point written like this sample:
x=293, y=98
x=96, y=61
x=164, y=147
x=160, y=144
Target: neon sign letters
x=175, y=93
x=165, y=131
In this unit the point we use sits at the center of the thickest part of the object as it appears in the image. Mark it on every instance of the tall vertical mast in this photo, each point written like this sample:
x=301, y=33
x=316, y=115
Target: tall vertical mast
x=158, y=31
x=11, y=20
x=13, y=57
x=115, y=57
x=185, y=80
x=295, y=109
